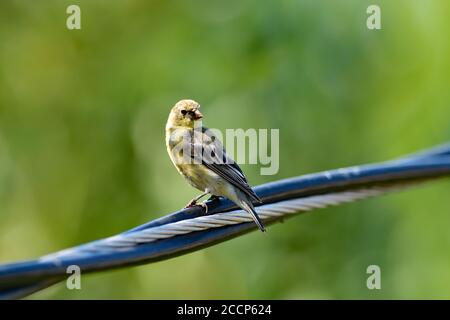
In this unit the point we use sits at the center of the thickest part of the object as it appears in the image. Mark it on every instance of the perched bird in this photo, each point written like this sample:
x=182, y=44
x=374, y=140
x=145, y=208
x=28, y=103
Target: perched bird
x=200, y=158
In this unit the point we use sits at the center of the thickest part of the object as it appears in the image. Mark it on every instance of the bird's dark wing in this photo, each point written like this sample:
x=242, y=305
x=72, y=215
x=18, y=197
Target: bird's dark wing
x=216, y=160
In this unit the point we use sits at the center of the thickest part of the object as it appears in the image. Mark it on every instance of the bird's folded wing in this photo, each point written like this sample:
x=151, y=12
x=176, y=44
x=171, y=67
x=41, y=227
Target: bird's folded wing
x=215, y=159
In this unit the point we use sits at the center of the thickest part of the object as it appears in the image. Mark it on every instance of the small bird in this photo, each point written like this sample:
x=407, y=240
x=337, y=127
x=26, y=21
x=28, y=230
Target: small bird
x=201, y=159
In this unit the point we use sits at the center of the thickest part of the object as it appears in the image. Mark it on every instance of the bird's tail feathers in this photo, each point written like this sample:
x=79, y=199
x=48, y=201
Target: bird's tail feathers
x=247, y=206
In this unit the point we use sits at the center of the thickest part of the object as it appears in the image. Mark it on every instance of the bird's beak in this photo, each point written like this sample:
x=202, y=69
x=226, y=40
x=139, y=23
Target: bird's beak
x=197, y=115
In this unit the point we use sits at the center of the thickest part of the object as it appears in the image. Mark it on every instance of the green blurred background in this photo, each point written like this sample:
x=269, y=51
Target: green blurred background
x=82, y=152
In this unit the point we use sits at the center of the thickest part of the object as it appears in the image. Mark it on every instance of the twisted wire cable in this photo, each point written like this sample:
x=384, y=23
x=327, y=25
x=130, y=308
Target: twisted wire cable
x=190, y=229
x=266, y=212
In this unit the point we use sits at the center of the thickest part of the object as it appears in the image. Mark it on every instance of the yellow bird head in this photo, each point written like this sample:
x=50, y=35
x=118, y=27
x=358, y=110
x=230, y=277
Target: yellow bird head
x=184, y=114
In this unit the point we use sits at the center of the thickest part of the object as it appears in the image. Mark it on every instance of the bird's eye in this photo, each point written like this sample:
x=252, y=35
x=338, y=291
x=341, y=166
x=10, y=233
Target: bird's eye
x=183, y=112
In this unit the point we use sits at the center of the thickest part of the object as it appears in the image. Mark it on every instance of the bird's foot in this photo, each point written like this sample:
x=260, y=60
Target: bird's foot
x=193, y=203
x=205, y=207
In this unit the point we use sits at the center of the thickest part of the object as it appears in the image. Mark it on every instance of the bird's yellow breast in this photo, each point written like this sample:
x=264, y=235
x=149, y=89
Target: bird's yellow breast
x=198, y=175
